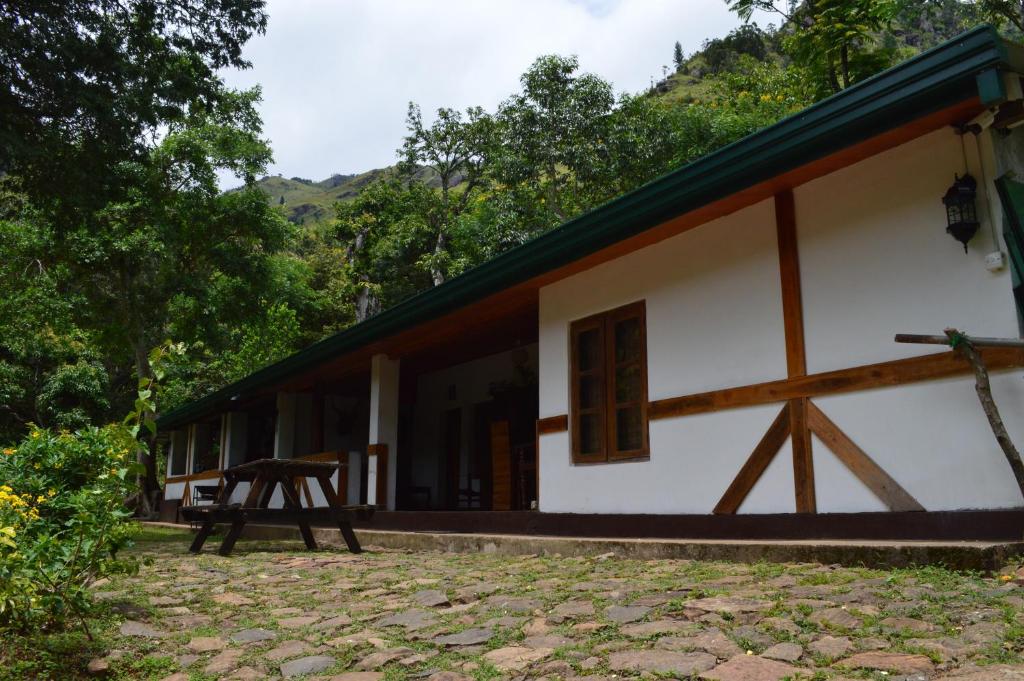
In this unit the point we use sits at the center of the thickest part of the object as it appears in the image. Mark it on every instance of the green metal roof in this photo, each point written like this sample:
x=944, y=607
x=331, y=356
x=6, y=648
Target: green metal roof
x=952, y=72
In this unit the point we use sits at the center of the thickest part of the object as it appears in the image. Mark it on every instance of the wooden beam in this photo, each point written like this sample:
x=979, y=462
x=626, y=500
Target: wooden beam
x=796, y=353
x=881, y=484
x=756, y=464
x=553, y=424
x=301, y=485
x=866, y=377
x=252, y=498
x=212, y=474
x=501, y=467
x=789, y=272
x=321, y=457
x=803, y=461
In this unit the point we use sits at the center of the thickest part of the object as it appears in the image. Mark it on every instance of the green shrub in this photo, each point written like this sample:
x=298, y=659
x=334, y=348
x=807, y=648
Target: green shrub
x=62, y=522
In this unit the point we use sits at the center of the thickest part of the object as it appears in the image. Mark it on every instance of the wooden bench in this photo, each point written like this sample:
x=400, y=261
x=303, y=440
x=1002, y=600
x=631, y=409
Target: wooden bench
x=264, y=476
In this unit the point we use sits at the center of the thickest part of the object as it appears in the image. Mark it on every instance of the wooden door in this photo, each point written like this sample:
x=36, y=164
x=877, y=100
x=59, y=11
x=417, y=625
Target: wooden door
x=501, y=467
x=451, y=445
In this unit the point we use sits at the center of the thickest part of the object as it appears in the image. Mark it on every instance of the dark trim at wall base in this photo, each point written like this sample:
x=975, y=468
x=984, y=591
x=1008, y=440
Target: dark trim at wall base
x=997, y=525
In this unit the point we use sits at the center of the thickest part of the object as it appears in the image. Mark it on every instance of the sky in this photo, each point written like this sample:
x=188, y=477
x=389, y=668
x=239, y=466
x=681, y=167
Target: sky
x=337, y=75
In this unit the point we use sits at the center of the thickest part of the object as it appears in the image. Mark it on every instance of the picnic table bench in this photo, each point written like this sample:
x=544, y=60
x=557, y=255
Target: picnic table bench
x=264, y=475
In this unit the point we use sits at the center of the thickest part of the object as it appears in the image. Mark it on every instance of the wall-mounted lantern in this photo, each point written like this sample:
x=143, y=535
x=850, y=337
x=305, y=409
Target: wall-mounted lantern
x=961, y=214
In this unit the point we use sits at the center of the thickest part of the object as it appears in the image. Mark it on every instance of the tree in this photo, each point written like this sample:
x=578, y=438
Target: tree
x=723, y=54
x=550, y=133
x=175, y=253
x=384, y=236
x=677, y=55
x=640, y=141
x=88, y=84
x=456, y=151
x=51, y=371
x=833, y=37
x=1003, y=12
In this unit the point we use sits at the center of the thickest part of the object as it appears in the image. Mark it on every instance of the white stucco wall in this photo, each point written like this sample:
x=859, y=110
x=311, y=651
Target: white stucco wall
x=173, y=490
x=875, y=261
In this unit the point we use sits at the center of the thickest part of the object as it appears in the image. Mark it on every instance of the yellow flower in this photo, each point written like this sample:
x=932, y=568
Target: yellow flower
x=51, y=492
x=8, y=451
x=40, y=499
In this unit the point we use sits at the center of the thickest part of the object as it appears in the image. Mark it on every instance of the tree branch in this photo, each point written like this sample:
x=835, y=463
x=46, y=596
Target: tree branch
x=962, y=343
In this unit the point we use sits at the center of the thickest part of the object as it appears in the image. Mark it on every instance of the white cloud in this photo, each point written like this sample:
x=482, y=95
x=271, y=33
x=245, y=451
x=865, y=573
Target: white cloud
x=337, y=75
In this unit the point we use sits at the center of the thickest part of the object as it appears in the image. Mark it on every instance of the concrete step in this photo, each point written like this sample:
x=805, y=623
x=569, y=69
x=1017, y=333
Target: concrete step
x=958, y=555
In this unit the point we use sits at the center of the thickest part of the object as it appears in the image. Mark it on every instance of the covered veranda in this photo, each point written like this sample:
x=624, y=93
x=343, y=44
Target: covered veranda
x=439, y=417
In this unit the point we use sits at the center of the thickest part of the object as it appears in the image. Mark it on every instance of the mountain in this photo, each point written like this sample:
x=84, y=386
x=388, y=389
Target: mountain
x=917, y=26
x=306, y=202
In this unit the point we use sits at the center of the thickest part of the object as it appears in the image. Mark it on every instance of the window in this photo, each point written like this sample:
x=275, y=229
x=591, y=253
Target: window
x=206, y=452
x=177, y=454
x=608, y=376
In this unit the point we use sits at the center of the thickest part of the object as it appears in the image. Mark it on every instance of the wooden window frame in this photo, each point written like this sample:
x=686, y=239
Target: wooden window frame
x=604, y=324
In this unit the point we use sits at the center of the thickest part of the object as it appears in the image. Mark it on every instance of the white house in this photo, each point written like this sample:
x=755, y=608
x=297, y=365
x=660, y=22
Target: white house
x=710, y=354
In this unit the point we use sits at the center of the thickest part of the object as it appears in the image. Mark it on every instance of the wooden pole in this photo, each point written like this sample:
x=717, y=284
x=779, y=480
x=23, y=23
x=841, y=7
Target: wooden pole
x=967, y=347
x=975, y=341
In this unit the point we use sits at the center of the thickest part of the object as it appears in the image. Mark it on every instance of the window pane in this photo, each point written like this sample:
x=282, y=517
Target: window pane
x=627, y=340
x=590, y=392
x=629, y=435
x=207, y=452
x=590, y=433
x=588, y=350
x=627, y=384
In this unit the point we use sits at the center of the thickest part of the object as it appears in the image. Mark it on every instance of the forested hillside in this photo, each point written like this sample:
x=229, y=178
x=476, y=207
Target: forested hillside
x=906, y=29
x=135, y=244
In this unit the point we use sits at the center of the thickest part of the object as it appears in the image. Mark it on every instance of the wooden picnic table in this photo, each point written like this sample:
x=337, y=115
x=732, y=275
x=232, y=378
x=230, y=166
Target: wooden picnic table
x=264, y=475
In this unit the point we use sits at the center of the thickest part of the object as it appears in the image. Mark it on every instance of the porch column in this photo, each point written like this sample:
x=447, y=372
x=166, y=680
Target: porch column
x=284, y=428
x=236, y=437
x=383, y=447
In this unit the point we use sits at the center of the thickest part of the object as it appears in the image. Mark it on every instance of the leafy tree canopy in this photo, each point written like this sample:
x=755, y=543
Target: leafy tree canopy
x=87, y=84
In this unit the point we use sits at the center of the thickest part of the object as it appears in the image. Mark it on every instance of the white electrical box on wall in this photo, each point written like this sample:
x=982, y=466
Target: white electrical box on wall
x=995, y=261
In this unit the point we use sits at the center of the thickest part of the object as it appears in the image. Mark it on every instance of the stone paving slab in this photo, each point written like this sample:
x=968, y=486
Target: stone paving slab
x=401, y=614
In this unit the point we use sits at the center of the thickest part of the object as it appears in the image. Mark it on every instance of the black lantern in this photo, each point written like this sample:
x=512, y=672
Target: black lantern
x=961, y=215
